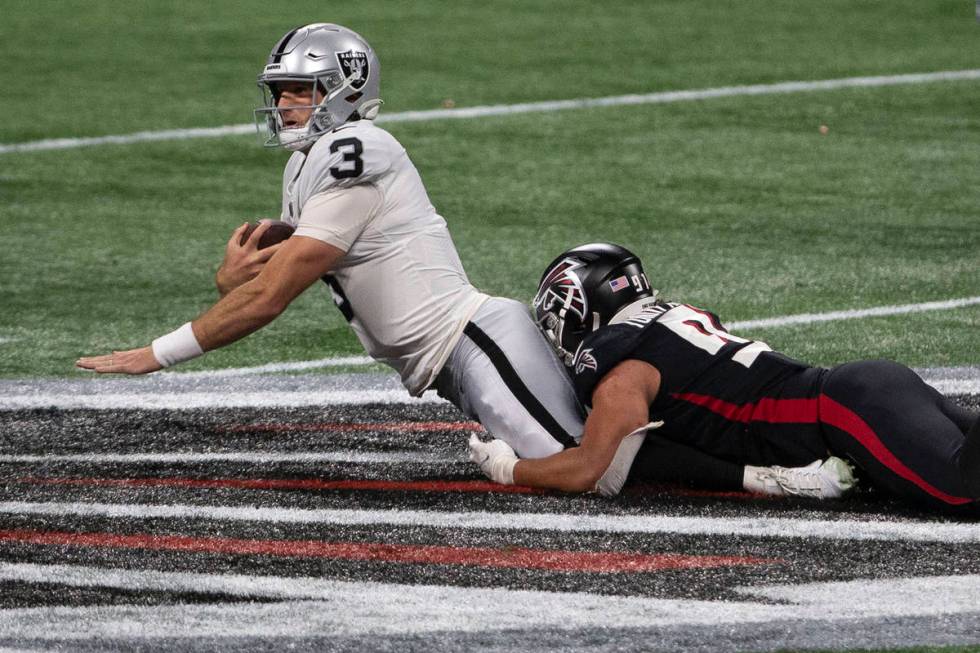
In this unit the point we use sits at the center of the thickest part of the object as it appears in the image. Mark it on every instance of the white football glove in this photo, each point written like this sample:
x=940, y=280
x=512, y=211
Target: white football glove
x=495, y=458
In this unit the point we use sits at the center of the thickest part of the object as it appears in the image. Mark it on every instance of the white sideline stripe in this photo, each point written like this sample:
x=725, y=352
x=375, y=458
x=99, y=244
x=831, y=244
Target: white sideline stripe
x=785, y=320
x=249, y=457
x=842, y=529
x=315, y=606
x=191, y=400
x=527, y=107
x=271, y=368
x=956, y=386
x=810, y=318
x=150, y=399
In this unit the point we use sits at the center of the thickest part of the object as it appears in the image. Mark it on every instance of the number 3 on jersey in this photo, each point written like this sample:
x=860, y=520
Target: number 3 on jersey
x=352, y=165
x=702, y=330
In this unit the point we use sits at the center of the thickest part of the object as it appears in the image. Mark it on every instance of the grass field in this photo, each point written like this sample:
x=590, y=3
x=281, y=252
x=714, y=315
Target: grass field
x=237, y=527
x=736, y=204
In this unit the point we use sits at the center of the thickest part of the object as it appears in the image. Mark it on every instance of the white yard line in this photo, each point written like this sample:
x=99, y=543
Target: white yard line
x=527, y=107
x=273, y=368
x=154, y=399
x=247, y=457
x=310, y=606
x=206, y=393
x=838, y=529
x=876, y=311
x=779, y=321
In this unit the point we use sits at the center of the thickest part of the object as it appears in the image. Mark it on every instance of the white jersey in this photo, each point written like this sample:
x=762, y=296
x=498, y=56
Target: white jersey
x=401, y=284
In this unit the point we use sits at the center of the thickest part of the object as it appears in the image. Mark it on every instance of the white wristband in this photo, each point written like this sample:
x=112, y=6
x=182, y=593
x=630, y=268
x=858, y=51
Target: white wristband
x=177, y=346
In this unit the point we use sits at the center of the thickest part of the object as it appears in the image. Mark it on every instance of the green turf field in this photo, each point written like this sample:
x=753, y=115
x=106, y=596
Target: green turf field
x=736, y=204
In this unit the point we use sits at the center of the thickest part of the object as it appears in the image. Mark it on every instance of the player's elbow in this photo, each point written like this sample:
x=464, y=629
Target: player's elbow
x=583, y=479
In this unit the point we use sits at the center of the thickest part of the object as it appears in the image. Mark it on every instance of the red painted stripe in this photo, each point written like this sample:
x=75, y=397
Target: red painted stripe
x=775, y=411
x=680, y=491
x=843, y=418
x=347, y=427
x=292, y=484
x=579, y=561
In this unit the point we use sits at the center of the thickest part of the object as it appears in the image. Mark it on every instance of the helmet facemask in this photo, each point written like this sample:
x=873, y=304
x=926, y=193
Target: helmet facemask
x=561, y=307
x=323, y=118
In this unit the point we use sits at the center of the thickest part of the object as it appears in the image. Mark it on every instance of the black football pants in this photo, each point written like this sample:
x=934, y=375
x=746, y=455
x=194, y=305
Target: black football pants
x=905, y=435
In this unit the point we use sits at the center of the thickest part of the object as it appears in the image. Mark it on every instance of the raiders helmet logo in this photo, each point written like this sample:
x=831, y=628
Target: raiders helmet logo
x=356, y=64
x=585, y=361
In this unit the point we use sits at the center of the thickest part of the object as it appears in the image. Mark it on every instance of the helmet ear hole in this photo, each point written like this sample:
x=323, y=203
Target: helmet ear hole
x=354, y=97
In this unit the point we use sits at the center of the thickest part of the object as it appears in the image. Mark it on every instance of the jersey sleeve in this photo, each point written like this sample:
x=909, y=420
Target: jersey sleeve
x=338, y=216
x=353, y=154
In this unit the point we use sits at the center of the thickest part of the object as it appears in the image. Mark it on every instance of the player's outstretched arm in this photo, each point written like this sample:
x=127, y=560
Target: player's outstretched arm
x=246, y=309
x=620, y=406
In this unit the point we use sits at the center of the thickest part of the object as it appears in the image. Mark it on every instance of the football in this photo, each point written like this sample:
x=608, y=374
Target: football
x=278, y=232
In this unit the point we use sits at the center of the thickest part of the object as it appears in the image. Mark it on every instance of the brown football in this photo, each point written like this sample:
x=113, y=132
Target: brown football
x=278, y=232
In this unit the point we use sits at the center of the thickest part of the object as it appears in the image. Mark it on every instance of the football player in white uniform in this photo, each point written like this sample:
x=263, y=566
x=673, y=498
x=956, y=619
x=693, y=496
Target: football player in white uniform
x=365, y=225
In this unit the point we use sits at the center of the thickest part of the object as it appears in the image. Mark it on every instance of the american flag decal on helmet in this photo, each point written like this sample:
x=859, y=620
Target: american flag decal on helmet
x=619, y=283
x=563, y=286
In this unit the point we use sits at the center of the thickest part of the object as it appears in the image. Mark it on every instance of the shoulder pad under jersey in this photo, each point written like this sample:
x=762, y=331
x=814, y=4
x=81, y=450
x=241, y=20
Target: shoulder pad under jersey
x=599, y=353
x=354, y=153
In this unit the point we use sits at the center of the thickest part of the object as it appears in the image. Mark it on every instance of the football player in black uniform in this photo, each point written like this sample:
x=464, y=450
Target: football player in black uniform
x=641, y=363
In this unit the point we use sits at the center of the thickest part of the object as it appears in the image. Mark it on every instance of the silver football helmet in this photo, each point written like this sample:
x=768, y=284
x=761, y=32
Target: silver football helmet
x=335, y=61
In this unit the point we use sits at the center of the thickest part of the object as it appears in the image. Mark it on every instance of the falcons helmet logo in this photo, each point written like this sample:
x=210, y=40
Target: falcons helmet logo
x=563, y=286
x=585, y=361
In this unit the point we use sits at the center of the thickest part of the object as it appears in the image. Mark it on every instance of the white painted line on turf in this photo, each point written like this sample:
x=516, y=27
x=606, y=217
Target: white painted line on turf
x=839, y=529
x=220, y=393
x=274, y=368
x=527, y=107
x=877, y=595
x=222, y=399
x=247, y=457
x=956, y=386
x=811, y=318
x=312, y=607
x=779, y=321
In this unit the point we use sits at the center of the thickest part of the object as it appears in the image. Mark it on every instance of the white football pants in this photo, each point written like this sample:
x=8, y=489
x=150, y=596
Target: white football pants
x=505, y=375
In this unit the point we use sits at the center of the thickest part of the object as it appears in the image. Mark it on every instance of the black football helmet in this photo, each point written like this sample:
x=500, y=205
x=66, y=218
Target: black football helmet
x=583, y=289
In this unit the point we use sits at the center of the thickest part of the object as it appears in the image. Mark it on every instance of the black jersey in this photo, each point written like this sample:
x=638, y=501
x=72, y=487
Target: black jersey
x=728, y=396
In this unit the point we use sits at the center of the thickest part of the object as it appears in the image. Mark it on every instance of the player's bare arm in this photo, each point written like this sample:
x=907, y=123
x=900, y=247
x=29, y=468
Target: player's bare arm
x=621, y=404
x=243, y=261
x=247, y=308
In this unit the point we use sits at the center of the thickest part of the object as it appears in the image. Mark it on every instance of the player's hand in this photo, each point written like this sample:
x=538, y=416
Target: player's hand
x=495, y=458
x=243, y=262
x=134, y=361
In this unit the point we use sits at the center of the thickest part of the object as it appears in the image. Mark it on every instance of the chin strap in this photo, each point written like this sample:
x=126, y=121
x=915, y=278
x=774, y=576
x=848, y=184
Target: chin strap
x=369, y=110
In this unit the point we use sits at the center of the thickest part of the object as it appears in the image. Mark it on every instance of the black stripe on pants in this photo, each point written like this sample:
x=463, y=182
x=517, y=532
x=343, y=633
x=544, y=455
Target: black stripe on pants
x=516, y=386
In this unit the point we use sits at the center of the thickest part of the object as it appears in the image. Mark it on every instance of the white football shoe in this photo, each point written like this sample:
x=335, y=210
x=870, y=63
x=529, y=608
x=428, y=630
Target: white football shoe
x=822, y=479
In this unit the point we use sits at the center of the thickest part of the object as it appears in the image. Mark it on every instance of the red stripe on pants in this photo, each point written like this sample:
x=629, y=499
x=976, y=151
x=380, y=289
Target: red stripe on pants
x=846, y=420
x=825, y=411
x=775, y=411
